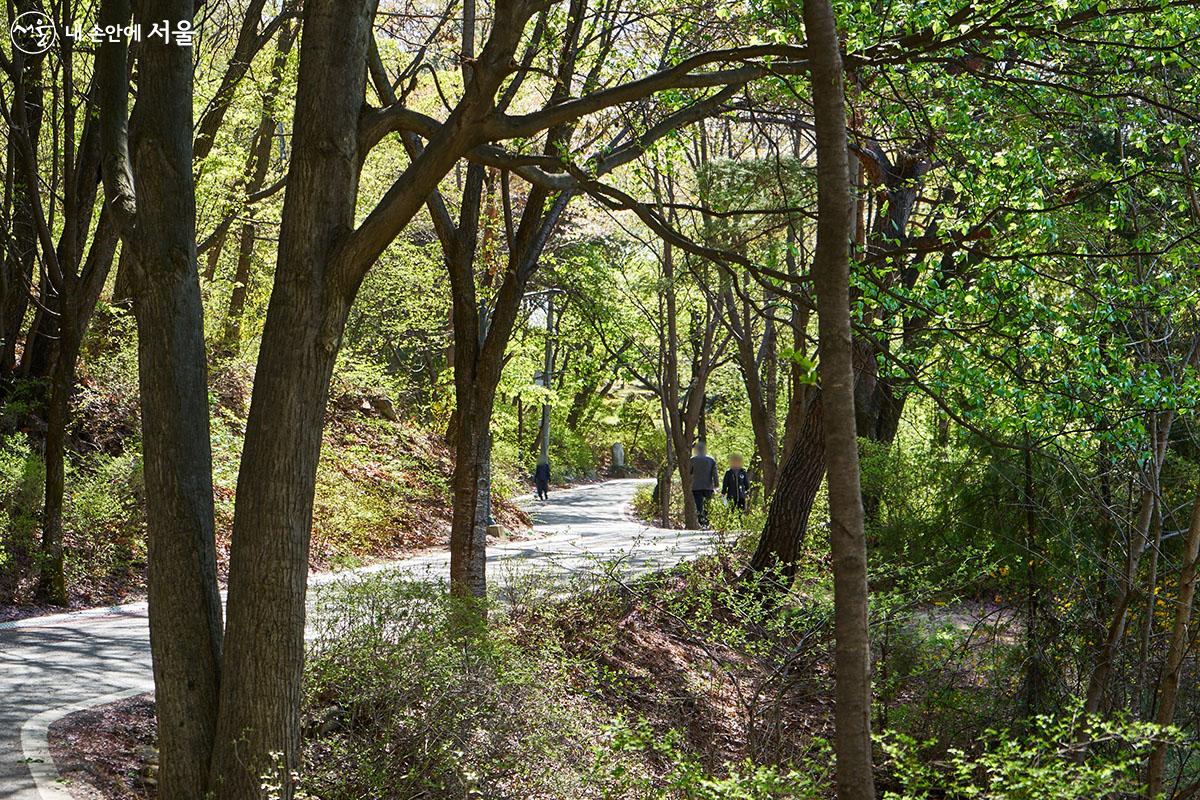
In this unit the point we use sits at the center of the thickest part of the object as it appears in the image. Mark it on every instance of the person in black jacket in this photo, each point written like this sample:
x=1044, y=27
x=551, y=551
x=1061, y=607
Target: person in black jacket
x=736, y=483
x=541, y=477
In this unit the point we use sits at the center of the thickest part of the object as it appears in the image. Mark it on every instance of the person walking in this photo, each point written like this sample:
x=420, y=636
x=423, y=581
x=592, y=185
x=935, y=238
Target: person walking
x=736, y=483
x=704, y=480
x=541, y=478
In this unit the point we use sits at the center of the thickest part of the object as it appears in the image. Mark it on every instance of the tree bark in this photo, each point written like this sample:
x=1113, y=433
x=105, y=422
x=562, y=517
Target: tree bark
x=16, y=280
x=256, y=168
x=258, y=729
x=831, y=271
x=547, y=376
x=1181, y=643
x=470, y=482
x=779, y=547
x=1136, y=544
x=677, y=422
x=153, y=204
x=52, y=581
x=769, y=358
x=211, y=261
x=232, y=335
x=798, y=324
x=762, y=414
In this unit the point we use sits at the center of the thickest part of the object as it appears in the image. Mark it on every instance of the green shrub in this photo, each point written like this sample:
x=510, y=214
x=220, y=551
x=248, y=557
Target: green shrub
x=730, y=519
x=103, y=520
x=21, y=484
x=644, y=507
x=1041, y=764
x=686, y=779
x=400, y=703
x=570, y=454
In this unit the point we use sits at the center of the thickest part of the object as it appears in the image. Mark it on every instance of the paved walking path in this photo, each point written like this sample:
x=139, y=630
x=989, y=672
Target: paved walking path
x=52, y=666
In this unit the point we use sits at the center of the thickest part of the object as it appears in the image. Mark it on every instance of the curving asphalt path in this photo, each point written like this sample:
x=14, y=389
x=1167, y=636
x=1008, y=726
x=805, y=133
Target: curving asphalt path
x=52, y=666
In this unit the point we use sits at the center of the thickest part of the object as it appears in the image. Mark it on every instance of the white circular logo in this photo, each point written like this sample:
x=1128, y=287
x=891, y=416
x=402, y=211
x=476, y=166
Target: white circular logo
x=33, y=33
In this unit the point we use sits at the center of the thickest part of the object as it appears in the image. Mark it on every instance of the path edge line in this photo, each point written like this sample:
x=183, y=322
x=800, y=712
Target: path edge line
x=35, y=743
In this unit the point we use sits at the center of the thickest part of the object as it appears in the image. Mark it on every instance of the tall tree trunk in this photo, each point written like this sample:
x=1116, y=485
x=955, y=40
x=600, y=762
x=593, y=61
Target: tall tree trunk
x=547, y=375
x=75, y=295
x=1136, y=544
x=779, y=547
x=153, y=203
x=481, y=339
x=257, y=166
x=802, y=455
x=20, y=250
x=258, y=729
x=52, y=580
x=798, y=325
x=1181, y=643
x=762, y=415
x=831, y=278
x=470, y=482
x=1147, y=625
x=232, y=335
x=769, y=356
x=677, y=428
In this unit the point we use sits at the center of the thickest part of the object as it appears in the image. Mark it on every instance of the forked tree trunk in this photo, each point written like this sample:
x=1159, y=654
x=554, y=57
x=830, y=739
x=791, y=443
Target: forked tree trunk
x=264, y=654
x=80, y=296
x=75, y=296
x=679, y=427
x=831, y=278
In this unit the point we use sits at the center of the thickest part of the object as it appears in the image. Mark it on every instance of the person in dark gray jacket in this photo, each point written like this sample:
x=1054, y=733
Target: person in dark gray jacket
x=704, y=480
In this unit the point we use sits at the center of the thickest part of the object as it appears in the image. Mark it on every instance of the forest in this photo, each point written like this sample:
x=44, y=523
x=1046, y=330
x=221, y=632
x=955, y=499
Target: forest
x=600, y=399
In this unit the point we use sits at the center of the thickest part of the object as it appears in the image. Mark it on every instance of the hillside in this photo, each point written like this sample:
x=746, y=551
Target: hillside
x=382, y=487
